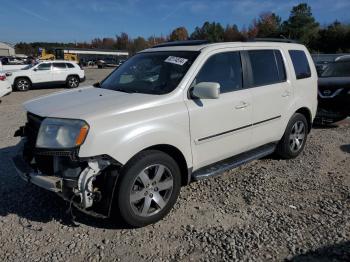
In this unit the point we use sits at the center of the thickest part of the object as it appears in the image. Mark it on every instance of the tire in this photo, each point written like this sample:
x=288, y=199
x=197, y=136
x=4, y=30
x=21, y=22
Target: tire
x=294, y=138
x=139, y=205
x=72, y=82
x=22, y=84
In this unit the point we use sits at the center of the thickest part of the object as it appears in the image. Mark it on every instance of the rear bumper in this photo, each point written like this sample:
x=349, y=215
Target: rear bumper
x=82, y=79
x=5, y=91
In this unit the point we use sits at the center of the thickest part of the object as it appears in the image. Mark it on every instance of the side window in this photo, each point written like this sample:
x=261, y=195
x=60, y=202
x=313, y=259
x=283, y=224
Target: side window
x=59, y=66
x=280, y=66
x=265, y=67
x=69, y=65
x=300, y=64
x=44, y=66
x=223, y=68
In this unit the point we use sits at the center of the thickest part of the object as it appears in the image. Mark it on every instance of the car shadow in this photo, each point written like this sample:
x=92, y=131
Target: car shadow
x=324, y=126
x=345, y=148
x=337, y=252
x=31, y=203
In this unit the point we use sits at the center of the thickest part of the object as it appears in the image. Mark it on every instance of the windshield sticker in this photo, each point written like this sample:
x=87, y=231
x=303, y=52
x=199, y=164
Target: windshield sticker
x=176, y=60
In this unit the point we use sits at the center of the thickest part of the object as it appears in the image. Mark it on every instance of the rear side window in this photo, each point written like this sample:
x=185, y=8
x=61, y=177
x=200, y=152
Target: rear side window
x=280, y=65
x=223, y=68
x=267, y=67
x=69, y=65
x=300, y=64
x=59, y=65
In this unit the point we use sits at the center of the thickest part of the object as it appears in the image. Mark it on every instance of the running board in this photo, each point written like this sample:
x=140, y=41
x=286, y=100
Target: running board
x=233, y=162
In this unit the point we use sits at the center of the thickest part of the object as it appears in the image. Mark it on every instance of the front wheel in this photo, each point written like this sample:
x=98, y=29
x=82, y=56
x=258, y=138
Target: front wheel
x=294, y=138
x=22, y=84
x=149, y=187
x=73, y=82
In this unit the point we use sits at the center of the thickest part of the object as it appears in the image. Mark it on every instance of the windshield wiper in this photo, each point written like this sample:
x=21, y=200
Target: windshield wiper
x=129, y=91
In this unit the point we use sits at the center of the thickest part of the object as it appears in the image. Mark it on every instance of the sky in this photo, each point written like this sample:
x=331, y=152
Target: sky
x=83, y=20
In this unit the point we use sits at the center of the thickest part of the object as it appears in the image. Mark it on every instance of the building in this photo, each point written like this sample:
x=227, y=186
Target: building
x=6, y=49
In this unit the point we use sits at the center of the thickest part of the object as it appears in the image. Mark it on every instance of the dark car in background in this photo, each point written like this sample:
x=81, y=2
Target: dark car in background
x=334, y=92
x=107, y=63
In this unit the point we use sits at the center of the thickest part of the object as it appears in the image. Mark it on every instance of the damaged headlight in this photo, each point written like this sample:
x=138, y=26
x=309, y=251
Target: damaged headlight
x=55, y=133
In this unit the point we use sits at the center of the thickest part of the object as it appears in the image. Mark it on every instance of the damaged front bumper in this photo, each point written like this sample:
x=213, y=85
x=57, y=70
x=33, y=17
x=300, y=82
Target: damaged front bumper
x=89, y=188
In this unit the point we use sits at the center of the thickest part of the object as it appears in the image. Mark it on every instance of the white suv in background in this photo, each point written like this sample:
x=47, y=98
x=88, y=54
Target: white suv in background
x=47, y=72
x=171, y=114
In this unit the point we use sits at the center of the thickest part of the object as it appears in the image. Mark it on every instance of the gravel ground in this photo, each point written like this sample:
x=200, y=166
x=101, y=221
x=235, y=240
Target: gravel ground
x=268, y=210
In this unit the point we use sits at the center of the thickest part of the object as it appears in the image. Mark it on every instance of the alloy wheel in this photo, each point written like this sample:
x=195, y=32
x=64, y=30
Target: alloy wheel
x=73, y=82
x=297, y=136
x=22, y=85
x=151, y=190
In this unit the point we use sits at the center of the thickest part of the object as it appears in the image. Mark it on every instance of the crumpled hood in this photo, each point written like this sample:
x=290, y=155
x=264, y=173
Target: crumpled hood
x=87, y=103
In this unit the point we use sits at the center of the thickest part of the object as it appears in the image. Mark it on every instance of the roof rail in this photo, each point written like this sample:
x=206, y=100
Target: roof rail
x=282, y=40
x=182, y=43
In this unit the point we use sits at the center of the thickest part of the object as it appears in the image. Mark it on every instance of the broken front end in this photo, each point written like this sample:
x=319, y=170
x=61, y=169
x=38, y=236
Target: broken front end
x=48, y=156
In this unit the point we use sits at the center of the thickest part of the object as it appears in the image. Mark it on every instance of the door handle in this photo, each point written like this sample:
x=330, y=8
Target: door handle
x=285, y=94
x=242, y=105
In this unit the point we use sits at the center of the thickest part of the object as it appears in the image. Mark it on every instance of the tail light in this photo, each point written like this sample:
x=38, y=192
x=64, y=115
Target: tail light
x=2, y=77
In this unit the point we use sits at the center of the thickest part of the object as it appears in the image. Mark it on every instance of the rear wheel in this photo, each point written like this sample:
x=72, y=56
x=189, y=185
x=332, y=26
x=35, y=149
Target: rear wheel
x=22, y=84
x=73, y=82
x=149, y=187
x=294, y=138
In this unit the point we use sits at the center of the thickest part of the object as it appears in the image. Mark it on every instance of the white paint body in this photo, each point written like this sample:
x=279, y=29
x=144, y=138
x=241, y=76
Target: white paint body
x=123, y=124
x=5, y=87
x=47, y=76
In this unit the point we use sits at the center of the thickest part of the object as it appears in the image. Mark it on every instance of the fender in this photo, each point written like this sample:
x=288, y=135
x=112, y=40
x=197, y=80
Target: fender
x=125, y=139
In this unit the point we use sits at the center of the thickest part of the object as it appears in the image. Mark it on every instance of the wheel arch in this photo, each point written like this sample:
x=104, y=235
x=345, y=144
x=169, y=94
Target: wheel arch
x=76, y=75
x=307, y=113
x=179, y=158
x=26, y=77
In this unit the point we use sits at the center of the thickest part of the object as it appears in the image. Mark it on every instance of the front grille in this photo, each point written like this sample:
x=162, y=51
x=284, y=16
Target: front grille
x=32, y=128
x=326, y=92
x=44, y=158
x=43, y=163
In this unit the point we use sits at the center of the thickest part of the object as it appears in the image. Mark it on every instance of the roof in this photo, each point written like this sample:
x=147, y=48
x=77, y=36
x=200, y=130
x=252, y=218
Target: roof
x=7, y=44
x=59, y=61
x=213, y=46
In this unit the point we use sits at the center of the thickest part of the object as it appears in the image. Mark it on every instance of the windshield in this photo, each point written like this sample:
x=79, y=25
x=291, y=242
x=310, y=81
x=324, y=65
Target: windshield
x=151, y=73
x=336, y=69
x=28, y=67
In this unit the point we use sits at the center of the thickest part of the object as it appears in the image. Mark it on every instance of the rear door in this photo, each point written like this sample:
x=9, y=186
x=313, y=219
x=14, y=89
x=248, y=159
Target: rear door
x=220, y=128
x=59, y=71
x=271, y=93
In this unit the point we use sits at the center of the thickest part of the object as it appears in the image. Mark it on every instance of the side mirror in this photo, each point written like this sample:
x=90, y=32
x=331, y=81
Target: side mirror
x=206, y=90
x=35, y=69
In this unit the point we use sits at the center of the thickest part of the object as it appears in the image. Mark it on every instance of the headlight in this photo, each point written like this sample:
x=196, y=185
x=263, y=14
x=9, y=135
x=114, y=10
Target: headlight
x=58, y=133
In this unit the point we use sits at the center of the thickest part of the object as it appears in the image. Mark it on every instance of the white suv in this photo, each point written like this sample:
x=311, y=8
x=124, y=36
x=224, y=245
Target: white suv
x=172, y=114
x=47, y=72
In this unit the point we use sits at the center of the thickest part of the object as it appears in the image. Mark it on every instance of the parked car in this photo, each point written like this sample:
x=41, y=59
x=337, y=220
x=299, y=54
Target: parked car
x=334, y=92
x=47, y=72
x=107, y=63
x=5, y=86
x=127, y=145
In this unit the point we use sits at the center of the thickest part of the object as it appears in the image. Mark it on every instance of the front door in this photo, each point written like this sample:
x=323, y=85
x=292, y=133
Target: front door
x=42, y=73
x=220, y=127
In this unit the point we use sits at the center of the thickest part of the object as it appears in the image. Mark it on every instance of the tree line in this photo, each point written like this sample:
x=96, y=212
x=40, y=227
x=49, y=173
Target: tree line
x=300, y=26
